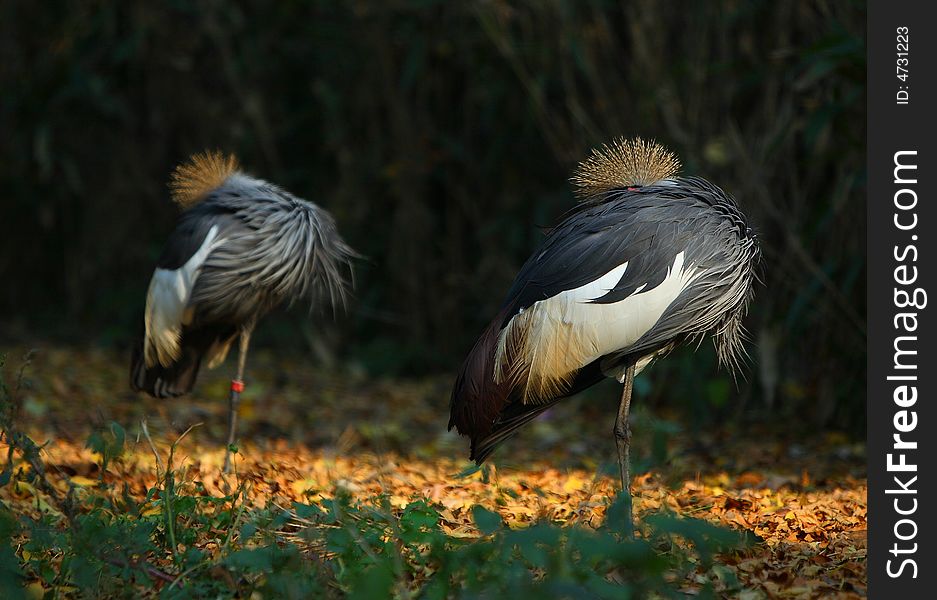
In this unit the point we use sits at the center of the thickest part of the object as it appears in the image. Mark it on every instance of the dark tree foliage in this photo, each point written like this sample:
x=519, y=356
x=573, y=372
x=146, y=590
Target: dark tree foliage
x=440, y=135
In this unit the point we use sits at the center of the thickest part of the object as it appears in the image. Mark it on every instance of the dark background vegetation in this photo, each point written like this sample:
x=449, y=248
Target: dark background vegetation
x=441, y=135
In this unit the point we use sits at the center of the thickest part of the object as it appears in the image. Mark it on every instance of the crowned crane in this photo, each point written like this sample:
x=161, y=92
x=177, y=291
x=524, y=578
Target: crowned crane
x=241, y=247
x=646, y=261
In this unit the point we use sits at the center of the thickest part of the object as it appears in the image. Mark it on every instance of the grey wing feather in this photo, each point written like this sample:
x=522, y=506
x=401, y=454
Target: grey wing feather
x=277, y=248
x=591, y=242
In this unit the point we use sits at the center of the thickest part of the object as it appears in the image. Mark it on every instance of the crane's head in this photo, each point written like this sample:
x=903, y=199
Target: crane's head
x=621, y=164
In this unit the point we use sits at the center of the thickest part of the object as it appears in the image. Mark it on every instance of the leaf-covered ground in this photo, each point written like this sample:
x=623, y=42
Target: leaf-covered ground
x=307, y=432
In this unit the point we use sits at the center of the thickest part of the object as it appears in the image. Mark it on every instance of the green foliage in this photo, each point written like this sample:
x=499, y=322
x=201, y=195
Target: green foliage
x=373, y=550
x=487, y=522
x=11, y=572
x=109, y=444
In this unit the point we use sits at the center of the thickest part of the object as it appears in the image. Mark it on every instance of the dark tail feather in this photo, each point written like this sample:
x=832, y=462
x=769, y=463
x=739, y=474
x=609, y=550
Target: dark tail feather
x=515, y=414
x=506, y=427
x=165, y=382
x=178, y=378
x=476, y=399
x=489, y=413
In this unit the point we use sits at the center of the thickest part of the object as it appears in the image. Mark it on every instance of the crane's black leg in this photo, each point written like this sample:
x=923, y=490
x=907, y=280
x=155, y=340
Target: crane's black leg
x=237, y=386
x=623, y=441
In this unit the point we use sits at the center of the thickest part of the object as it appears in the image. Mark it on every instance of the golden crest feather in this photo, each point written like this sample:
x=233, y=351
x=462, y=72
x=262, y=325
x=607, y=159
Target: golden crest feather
x=191, y=181
x=623, y=163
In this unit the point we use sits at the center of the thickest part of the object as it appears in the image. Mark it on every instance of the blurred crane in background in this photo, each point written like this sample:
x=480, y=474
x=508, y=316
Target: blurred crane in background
x=646, y=261
x=241, y=247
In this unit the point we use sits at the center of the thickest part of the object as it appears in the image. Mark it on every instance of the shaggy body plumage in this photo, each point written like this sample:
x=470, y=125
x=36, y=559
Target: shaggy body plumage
x=647, y=261
x=242, y=247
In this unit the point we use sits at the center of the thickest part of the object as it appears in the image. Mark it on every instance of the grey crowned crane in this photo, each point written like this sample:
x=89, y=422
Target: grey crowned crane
x=241, y=247
x=646, y=261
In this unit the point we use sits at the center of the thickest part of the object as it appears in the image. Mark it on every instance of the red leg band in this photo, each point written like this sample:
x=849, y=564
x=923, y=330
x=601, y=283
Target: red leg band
x=237, y=386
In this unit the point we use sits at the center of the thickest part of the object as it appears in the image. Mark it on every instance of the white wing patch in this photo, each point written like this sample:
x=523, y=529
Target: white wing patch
x=543, y=347
x=167, y=301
